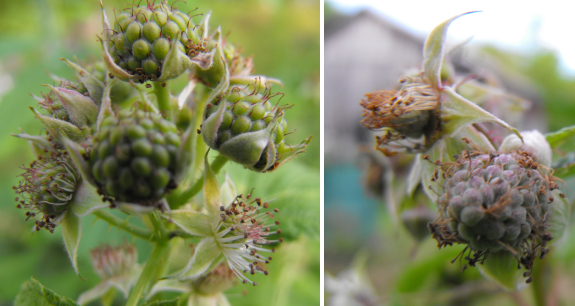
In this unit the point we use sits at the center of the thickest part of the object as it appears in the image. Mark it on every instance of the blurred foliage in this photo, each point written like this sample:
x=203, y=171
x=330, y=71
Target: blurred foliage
x=283, y=37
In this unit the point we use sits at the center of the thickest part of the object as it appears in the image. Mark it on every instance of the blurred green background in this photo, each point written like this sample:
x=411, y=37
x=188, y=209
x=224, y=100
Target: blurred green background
x=283, y=37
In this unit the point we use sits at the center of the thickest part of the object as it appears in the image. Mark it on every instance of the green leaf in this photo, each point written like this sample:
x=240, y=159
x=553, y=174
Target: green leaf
x=501, y=267
x=557, y=138
x=192, y=222
x=173, y=302
x=71, y=231
x=433, y=51
x=457, y=112
x=211, y=190
x=206, y=252
x=86, y=199
x=32, y=293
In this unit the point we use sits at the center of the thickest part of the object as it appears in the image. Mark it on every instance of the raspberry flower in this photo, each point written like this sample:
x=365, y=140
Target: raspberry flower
x=207, y=289
x=118, y=268
x=236, y=228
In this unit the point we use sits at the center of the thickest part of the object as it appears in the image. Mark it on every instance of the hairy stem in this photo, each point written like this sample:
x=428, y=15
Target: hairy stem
x=162, y=92
x=186, y=195
x=149, y=268
x=124, y=224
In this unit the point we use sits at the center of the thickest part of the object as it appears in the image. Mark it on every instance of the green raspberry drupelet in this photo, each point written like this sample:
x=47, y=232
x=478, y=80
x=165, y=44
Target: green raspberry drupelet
x=134, y=155
x=142, y=36
x=494, y=202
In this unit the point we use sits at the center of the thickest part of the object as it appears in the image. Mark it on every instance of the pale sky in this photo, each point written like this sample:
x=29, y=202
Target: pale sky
x=511, y=24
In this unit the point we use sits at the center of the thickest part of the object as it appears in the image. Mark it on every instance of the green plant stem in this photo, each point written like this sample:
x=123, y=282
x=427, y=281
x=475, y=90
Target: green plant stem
x=162, y=92
x=186, y=195
x=151, y=265
x=159, y=229
x=124, y=224
x=541, y=280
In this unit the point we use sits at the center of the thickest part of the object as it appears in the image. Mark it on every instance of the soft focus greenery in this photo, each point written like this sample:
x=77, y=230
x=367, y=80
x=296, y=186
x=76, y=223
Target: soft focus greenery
x=283, y=37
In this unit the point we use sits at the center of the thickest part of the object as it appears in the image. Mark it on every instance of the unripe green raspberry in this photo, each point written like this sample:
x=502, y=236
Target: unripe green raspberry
x=142, y=38
x=494, y=202
x=249, y=117
x=47, y=188
x=134, y=155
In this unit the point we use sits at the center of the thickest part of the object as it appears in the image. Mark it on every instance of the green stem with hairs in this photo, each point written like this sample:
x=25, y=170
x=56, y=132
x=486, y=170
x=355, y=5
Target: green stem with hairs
x=162, y=92
x=151, y=265
x=186, y=195
x=125, y=225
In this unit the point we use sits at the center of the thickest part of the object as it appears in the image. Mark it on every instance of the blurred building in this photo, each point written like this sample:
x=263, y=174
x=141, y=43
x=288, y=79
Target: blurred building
x=366, y=52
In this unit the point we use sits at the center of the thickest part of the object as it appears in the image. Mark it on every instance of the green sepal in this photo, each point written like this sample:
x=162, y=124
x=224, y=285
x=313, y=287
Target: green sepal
x=185, y=154
x=173, y=302
x=211, y=190
x=34, y=293
x=228, y=192
x=72, y=233
x=289, y=152
x=212, y=74
x=260, y=80
x=212, y=123
x=82, y=110
x=206, y=252
x=414, y=177
x=37, y=143
x=54, y=126
x=114, y=69
x=175, y=63
x=501, y=267
x=149, y=106
x=433, y=51
x=192, y=222
x=106, y=106
x=94, y=86
x=134, y=208
x=559, y=215
x=78, y=159
x=95, y=293
x=247, y=148
x=558, y=138
x=86, y=200
x=457, y=112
